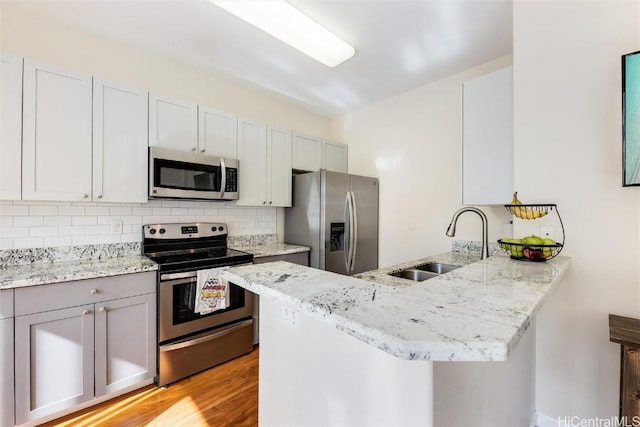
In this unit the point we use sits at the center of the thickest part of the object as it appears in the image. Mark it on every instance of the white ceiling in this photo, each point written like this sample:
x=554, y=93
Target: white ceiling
x=400, y=44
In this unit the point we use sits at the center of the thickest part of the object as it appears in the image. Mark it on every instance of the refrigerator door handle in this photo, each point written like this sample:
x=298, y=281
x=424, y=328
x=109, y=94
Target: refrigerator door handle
x=347, y=233
x=354, y=233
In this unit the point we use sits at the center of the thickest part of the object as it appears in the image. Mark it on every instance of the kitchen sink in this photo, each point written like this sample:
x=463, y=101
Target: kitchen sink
x=413, y=274
x=437, y=267
x=423, y=272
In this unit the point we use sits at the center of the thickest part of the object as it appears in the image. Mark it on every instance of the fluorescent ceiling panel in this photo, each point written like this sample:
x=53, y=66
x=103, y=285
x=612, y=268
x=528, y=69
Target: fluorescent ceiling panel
x=288, y=24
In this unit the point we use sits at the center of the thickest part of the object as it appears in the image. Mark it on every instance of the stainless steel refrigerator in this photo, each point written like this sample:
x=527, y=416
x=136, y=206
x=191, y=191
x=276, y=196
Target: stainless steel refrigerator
x=336, y=215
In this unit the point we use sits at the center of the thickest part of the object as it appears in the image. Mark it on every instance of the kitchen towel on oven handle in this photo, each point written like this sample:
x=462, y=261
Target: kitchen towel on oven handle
x=212, y=291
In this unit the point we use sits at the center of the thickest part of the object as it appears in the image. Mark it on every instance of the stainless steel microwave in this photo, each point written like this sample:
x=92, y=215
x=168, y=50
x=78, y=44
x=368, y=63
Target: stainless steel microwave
x=184, y=175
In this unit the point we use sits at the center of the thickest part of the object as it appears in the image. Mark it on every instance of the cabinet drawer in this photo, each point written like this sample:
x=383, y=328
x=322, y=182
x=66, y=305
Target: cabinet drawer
x=36, y=299
x=6, y=303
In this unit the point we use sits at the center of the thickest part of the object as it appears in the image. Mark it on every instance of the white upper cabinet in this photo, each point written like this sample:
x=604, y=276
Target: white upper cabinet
x=56, y=161
x=487, y=139
x=278, y=167
x=265, y=164
x=10, y=126
x=252, y=151
x=173, y=123
x=307, y=152
x=217, y=133
x=120, y=136
x=335, y=156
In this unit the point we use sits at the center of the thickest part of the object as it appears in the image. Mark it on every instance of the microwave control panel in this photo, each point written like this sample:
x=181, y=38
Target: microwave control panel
x=232, y=180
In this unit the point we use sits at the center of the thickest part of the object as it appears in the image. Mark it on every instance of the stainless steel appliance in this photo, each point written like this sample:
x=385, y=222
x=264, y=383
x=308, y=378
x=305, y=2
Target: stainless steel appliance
x=186, y=175
x=337, y=216
x=189, y=342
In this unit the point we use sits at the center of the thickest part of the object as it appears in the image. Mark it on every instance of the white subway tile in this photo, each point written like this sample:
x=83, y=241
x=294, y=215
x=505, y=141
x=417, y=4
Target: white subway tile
x=97, y=210
x=57, y=241
x=109, y=238
x=170, y=204
x=12, y=232
x=56, y=220
x=43, y=210
x=152, y=219
x=250, y=212
x=195, y=211
x=28, y=242
x=85, y=204
x=132, y=237
x=6, y=243
x=134, y=220
x=84, y=220
x=120, y=211
x=43, y=231
x=84, y=240
x=97, y=229
x=27, y=221
x=56, y=203
x=142, y=211
x=187, y=204
x=71, y=230
x=131, y=205
x=212, y=212
x=27, y=202
x=6, y=203
x=169, y=218
x=179, y=211
x=6, y=221
x=71, y=210
x=187, y=219
x=161, y=211
x=13, y=210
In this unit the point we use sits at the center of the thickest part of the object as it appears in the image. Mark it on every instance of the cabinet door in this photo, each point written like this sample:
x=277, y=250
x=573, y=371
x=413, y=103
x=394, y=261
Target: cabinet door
x=120, y=139
x=278, y=167
x=173, y=123
x=6, y=372
x=56, y=160
x=252, y=151
x=125, y=347
x=487, y=139
x=217, y=133
x=335, y=156
x=53, y=361
x=10, y=126
x=307, y=152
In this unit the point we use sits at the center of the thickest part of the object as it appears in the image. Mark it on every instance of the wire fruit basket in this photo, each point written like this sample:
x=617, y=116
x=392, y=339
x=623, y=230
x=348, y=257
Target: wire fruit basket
x=519, y=250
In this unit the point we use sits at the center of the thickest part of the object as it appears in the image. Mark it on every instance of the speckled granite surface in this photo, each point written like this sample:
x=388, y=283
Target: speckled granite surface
x=476, y=313
x=48, y=272
x=10, y=257
x=271, y=249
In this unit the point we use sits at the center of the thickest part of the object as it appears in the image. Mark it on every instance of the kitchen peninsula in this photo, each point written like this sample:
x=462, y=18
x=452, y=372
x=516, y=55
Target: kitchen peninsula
x=458, y=349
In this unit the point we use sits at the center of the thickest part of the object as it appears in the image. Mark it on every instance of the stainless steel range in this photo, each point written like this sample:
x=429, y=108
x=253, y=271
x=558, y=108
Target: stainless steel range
x=188, y=341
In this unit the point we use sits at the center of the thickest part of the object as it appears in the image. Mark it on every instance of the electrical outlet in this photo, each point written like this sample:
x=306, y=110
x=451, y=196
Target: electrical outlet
x=290, y=317
x=116, y=226
x=547, y=231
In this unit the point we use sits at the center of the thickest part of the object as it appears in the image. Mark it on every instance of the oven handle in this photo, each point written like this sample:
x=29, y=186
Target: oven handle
x=190, y=274
x=226, y=331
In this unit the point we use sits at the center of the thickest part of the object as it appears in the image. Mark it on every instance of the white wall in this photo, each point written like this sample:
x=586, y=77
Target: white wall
x=412, y=142
x=567, y=125
x=30, y=35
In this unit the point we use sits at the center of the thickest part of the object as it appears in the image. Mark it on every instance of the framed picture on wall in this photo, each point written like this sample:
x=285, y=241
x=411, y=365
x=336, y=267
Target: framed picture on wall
x=631, y=119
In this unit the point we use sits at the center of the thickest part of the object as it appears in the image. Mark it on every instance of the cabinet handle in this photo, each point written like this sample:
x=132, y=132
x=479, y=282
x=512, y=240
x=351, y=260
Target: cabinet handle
x=85, y=196
x=193, y=148
x=202, y=150
x=102, y=309
x=270, y=202
x=85, y=312
x=264, y=203
x=94, y=291
x=99, y=196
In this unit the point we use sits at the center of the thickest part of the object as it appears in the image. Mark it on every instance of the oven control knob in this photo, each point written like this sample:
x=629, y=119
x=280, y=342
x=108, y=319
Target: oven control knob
x=162, y=231
x=152, y=231
x=220, y=228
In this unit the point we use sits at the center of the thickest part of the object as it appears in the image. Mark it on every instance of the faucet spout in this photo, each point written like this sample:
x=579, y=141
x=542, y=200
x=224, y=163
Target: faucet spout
x=451, y=230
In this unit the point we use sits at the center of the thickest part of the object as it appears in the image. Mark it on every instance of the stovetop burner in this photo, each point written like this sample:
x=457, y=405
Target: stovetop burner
x=193, y=246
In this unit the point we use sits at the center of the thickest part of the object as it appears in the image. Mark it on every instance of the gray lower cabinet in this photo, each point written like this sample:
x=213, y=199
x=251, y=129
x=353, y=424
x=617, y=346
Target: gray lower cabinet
x=81, y=342
x=6, y=358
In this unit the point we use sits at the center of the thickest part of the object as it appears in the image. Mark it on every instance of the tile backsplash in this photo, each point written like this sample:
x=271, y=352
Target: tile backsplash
x=50, y=224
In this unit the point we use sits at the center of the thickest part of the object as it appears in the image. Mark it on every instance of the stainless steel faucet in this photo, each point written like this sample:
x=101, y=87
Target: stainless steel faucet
x=451, y=230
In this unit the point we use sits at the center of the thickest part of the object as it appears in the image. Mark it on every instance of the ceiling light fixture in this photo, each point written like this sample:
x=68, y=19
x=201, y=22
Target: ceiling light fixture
x=288, y=24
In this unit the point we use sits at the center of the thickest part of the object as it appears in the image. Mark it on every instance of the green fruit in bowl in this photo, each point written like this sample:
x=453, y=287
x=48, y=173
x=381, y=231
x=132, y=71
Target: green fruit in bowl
x=548, y=251
x=533, y=240
x=515, y=249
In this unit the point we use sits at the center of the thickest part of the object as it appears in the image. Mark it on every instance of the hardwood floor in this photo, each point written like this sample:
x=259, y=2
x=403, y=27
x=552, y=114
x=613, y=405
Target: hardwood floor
x=226, y=395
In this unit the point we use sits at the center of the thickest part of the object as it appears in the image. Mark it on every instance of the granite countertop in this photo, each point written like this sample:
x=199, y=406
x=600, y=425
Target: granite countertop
x=41, y=273
x=271, y=249
x=476, y=313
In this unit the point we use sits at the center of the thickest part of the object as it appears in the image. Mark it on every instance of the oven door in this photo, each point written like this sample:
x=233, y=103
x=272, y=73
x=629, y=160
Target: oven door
x=176, y=316
x=177, y=174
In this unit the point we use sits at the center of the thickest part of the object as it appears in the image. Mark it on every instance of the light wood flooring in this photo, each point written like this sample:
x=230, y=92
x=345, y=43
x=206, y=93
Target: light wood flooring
x=226, y=395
